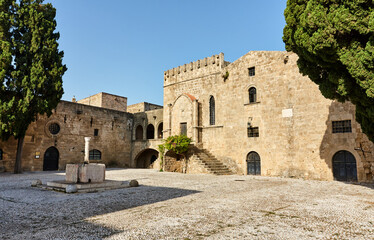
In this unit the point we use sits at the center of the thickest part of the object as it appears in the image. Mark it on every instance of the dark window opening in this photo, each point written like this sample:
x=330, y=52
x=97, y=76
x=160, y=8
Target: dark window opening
x=160, y=129
x=212, y=111
x=54, y=128
x=96, y=132
x=139, y=133
x=95, y=155
x=252, y=95
x=150, y=132
x=251, y=71
x=253, y=132
x=183, y=127
x=341, y=126
x=1, y=154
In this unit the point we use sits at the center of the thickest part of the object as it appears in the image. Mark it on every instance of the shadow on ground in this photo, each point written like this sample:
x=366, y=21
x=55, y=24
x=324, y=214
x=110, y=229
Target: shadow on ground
x=33, y=213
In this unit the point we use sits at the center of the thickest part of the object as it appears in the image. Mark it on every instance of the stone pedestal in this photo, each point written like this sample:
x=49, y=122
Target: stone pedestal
x=85, y=173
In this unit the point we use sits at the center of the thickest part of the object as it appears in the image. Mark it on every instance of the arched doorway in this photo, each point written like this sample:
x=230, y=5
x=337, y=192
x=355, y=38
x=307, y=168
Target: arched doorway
x=253, y=164
x=51, y=157
x=150, y=132
x=146, y=158
x=344, y=166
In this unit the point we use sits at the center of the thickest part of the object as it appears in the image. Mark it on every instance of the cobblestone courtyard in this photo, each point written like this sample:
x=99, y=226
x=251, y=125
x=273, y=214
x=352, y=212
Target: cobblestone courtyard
x=178, y=206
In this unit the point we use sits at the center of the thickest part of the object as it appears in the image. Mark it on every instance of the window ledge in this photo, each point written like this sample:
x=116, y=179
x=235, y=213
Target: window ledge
x=245, y=104
x=213, y=126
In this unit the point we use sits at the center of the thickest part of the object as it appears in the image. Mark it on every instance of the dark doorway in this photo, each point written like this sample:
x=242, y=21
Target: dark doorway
x=253, y=164
x=150, y=132
x=51, y=159
x=344, y=166
x=146, y=158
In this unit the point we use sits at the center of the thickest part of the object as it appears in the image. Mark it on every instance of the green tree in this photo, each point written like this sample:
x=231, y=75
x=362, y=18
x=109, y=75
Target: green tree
x=31, y=67
x=335, y=43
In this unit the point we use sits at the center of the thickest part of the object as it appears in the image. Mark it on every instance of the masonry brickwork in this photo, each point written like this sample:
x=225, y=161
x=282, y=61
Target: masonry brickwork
x=294, y=122
x=293, y=118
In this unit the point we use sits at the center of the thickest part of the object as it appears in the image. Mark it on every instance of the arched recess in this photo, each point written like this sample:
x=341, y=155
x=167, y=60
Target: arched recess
x=150, y=131
x=146, y=158
x=344, y=166
x=253, y=163
x=182, y=115
x=139, y=133
x=51, y=157
x=160, y=128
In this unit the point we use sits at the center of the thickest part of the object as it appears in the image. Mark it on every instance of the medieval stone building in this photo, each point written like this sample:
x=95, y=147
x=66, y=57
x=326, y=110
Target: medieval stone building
x=257, y=115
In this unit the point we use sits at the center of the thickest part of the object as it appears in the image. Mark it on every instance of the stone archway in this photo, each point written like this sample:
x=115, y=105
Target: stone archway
x=146, y=158
x=344, y=166
x=51, y=157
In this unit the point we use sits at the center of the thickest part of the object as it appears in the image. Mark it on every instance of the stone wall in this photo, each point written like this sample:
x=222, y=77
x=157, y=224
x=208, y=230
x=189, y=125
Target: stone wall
x=76, y=121
x=142, y=107
x=294, y=119
x=106, y=100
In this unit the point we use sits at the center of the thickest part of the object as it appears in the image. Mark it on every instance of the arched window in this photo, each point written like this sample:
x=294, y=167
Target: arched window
x=253, y=163
x=139, y=133
x=252, y=95
x=95, y=155
x=160, y=129
x=150, y=132
x=212, y=111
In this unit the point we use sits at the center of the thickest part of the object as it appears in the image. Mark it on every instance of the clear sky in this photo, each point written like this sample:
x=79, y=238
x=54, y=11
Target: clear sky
x=124, y=46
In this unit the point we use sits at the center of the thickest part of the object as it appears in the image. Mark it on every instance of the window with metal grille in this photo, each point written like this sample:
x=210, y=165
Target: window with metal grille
x=253, y=132
x=212, y=111
x=95, y=155
x=54, y=128
x=252, y=95
x=96, y=132
x=183, y=127
x=341, y=126
x=251, y=71
x=1, y=154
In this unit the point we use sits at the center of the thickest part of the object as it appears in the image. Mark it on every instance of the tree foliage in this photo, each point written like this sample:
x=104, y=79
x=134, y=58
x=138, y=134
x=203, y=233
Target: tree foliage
x=31, y=66
x=335, y=43
x=178, y=144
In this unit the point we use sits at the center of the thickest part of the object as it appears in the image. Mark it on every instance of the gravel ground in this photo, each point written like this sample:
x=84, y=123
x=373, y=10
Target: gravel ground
x=178, y=206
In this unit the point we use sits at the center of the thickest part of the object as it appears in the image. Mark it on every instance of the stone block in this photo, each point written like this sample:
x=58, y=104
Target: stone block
x=92, y=173
x=72, y=173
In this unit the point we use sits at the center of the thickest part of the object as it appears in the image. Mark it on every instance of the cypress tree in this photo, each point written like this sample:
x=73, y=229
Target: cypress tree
x=31, y=67
x=334, y=40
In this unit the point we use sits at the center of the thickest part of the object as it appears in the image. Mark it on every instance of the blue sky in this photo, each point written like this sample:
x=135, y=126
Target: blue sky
x=123, y=47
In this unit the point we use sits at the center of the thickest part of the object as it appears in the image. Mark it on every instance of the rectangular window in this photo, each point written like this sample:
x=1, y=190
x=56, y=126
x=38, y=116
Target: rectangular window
x=96, y=132
x=341, y=126
x=251, y=71
x=184, y=129
x=253, y=132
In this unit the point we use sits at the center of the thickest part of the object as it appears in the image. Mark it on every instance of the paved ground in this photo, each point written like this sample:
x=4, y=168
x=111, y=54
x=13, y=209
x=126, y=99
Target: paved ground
x=177, y=206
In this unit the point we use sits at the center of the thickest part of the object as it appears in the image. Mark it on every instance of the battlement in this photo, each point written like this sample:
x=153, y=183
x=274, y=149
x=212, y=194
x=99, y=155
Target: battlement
x=206, y=66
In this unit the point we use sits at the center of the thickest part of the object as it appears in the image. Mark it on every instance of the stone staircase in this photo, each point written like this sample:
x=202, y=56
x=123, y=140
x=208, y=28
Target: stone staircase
x=210, y=162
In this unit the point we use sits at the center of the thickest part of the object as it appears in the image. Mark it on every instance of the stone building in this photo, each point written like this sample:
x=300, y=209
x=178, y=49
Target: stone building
x=257, y=115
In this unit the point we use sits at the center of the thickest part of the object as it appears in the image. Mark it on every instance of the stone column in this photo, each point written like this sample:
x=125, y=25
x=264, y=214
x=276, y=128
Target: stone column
x=195, y=121
x=87, y=149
